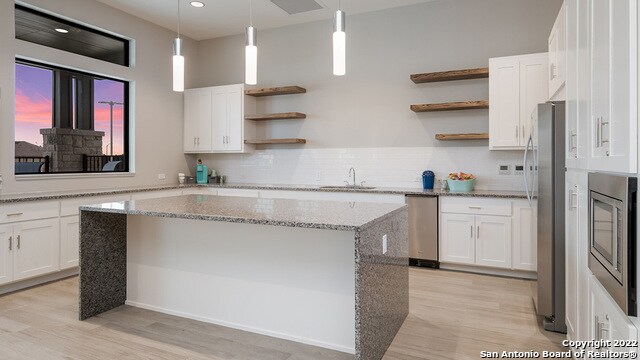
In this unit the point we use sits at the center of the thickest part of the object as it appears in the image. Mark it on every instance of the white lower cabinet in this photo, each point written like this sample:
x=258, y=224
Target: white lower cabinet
x=496, y=233
x=6, y=254
x=493, y=241
x=525, y=236
x=35, y=248
x=607, y=321
x=457, y=242
x=69, y=241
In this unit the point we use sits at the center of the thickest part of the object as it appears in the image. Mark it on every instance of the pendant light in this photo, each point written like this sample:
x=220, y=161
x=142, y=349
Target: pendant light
x=178, y=60
x=339, y=43
x=251, y=51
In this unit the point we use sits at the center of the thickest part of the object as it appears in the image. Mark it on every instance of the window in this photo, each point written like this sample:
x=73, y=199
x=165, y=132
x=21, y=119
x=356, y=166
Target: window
x=49, y=30
x=69, y=122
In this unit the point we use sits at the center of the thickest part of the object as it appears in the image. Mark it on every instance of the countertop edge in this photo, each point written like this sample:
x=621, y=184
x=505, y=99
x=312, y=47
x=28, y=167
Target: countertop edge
x=383, y=191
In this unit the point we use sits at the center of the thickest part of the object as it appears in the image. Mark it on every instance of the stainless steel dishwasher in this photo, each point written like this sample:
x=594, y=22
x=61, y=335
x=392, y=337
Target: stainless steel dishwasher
x=423, y=230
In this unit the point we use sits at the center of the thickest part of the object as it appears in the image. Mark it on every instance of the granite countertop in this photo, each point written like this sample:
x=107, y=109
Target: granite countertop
x=57, y=195
x=332, y=215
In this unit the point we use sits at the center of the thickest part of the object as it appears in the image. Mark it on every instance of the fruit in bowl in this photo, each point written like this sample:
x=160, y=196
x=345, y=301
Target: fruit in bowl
x=461, y=182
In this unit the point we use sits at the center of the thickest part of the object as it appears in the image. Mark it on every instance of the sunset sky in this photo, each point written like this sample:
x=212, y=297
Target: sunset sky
x=34, y=106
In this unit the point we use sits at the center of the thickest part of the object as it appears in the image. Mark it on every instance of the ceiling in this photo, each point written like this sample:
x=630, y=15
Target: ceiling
x=228, y=17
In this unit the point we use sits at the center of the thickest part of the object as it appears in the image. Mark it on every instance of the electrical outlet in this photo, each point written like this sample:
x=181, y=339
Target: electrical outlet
x=384, y=244
x=162, y=176
x=504, y=169
x=519, y=170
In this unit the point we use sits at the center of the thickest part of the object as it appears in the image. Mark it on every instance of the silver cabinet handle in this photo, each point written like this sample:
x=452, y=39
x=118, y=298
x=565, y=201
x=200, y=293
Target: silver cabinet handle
x=194, y=141
x=517, y=132
x=18, y=242
x=572, y=143
x=602, y=124
x=198, y=140
x=10, y=243
x=471, y=228
x=552, y=71
x=475, y=207
x=478, y=232
x=523, y=131
x=15, y=214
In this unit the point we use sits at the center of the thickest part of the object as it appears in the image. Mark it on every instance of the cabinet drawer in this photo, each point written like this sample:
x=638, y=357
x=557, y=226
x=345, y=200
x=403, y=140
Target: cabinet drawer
x=70, y=206
x=29, y=211
x=475, y=206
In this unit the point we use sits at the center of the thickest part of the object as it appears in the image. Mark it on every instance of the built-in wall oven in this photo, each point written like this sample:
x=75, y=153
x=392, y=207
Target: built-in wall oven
x=612, y=236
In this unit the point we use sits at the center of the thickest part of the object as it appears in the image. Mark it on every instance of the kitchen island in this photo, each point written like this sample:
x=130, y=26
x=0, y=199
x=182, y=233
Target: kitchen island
x=330, y=274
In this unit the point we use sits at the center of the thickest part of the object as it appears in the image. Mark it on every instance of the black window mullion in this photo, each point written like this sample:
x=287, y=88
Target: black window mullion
x=62, y=99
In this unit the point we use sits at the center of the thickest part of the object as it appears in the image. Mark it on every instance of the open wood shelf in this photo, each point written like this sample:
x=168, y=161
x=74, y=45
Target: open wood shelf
x=283, y=90
x=479, y=73
x=278, y=116
x=464, y=105
x=470, y=136
x=275, y=141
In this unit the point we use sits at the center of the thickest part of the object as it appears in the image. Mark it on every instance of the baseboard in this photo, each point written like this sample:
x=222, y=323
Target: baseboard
x=251, y=329
x=520, y=274
x=37, y=281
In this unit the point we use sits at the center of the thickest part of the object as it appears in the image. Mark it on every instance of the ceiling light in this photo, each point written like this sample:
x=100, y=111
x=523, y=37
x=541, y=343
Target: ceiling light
x=62, y=31
x=178, y=60
x=251, y=52
x=339, y=45
x=197, y=4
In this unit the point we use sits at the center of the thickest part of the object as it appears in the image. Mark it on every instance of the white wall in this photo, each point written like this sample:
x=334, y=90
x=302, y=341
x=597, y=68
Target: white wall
x=366, y=113
x=156, y=114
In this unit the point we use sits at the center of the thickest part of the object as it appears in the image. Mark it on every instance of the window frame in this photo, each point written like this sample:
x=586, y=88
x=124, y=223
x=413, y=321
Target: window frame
x=126, y=117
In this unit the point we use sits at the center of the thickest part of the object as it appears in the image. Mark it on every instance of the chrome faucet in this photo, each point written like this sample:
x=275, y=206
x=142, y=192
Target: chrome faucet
x=352, y=170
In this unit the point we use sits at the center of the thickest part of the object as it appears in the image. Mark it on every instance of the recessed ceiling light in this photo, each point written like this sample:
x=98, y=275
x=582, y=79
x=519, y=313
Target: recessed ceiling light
x=62, y=31
x=197, y=4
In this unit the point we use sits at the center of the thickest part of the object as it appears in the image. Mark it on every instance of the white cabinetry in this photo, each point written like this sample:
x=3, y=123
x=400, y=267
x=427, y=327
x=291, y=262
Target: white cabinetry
x=516, y=85
x=457, y=240
x=525, y=236
x=197, y=120
x=557, y=56
x=36, y=246
x=6, y=254
x=69, y=241
x=614, y=80
x=214, y=119
x=607, y=321
x=496, y=233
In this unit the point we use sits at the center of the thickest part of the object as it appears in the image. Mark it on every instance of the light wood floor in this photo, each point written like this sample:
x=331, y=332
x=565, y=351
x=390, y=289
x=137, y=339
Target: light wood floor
x=453, y=316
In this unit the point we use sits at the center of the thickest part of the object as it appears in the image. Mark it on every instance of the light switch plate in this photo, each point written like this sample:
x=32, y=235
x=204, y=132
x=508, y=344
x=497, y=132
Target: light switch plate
x=519, y=170
x=504, y=169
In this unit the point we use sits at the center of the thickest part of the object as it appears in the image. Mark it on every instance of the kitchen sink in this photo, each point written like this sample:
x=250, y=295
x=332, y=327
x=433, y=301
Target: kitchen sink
x=347, y=187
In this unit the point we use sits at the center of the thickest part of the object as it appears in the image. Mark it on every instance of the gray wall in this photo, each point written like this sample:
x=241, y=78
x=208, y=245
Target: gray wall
x=156, y=112
x=369, y=107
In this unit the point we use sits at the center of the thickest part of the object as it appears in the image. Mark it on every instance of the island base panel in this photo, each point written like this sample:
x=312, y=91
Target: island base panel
x=292, y=283
x=103, y=260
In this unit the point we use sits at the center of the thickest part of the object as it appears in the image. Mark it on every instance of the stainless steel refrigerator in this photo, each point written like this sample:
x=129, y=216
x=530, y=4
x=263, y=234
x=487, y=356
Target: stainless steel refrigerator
x=544, y=171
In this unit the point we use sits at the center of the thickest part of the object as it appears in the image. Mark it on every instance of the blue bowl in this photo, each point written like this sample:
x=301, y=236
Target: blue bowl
x=461, y=185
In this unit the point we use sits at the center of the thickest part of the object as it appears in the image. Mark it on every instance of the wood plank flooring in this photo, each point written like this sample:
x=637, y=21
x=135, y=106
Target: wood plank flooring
x=452, y=316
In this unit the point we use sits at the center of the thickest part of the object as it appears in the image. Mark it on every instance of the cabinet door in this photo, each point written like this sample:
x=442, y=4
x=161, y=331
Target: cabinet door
x=553, y=56
x=36, y=249
x=557, y=46
x=219, y=119
x=572, y=84
x=571, y=250
x=504, y=100
x=614, y=86
x=235, y=118
x=69, y=241
x=533, y=90
x=525, y=237
x=197, y=114
x=6, y=254
x=493, y=241
x=608, y=322
x=457, y=239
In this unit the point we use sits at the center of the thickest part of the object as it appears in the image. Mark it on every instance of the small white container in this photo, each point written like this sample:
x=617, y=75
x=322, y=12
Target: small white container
x=181, y=178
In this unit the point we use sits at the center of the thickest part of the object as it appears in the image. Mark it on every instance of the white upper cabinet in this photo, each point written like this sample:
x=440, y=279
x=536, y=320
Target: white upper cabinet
x=557, y=56
x=516, y=85
x=214, y=119
x=197, y=120
x=613, y=88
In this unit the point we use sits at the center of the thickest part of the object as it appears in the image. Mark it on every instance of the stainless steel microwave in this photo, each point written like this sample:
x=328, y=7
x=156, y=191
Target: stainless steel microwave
x=612, y=236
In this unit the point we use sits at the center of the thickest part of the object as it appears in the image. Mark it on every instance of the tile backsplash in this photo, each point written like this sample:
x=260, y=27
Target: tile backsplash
x=382, y=167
